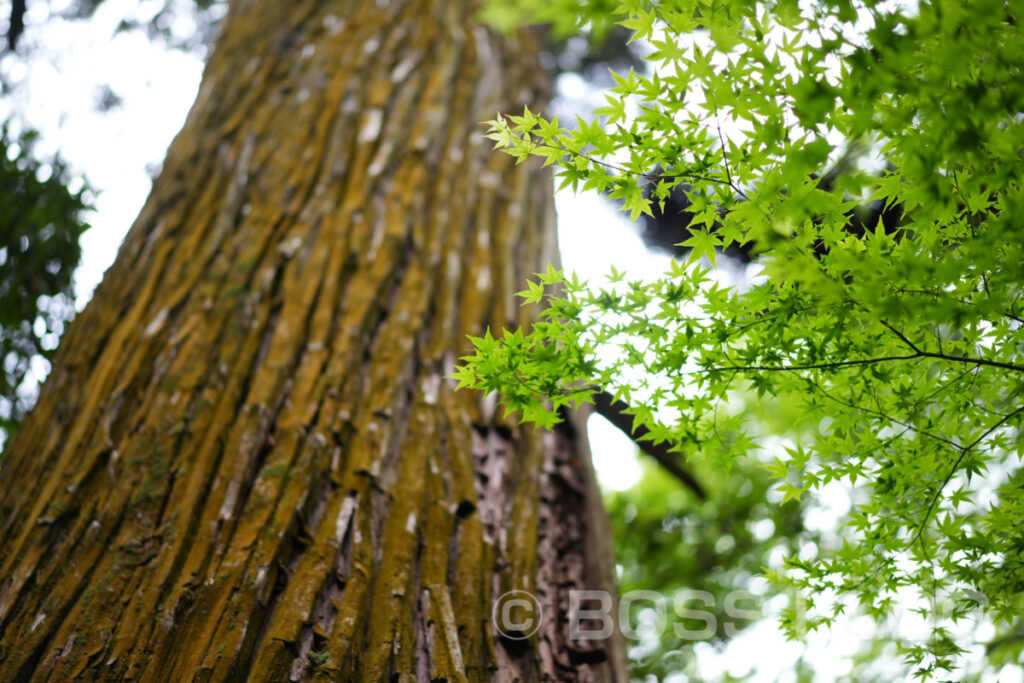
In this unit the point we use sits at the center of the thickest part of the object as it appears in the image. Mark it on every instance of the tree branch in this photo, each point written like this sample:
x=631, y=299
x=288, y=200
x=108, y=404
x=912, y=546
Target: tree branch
x=956, y=465
x=868, y=361
x=813, y=366
x=615, y=412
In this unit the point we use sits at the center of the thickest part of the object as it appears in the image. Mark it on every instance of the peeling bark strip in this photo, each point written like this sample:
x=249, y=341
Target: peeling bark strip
x=246, y=462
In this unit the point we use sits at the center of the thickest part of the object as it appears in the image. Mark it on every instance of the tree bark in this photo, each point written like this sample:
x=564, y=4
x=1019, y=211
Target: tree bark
x=247, y=462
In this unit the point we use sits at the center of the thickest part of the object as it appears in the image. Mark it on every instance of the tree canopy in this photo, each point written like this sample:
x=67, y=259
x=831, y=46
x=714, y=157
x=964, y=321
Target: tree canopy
x=896, y=346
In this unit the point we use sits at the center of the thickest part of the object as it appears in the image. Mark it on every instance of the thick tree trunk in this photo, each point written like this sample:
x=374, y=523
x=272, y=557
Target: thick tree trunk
x=247, y=461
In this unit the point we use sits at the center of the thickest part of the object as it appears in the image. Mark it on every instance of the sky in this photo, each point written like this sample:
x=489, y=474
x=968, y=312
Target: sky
x=61, y=88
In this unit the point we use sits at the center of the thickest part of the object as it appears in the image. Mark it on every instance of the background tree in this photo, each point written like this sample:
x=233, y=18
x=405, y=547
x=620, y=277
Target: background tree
x=247, y=460
x=41, y=221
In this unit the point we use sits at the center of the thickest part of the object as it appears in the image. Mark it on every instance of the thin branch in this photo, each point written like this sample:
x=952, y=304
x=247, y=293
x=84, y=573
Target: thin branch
x=938, y=295
x=721, y=141
x=972, y=222
x=956, y=465
x=742, y=327
x=648, y=176
x=902, y=337
x=945, y=386
x=869, y=361
x=885, y=416
x=974, y=361
x=813, y=366
x=946, y=356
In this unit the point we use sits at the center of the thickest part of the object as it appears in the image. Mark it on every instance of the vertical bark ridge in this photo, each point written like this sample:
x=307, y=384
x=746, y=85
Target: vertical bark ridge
x=248, y=461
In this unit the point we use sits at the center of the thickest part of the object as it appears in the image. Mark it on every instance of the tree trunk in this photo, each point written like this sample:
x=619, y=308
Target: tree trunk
x=247, y=461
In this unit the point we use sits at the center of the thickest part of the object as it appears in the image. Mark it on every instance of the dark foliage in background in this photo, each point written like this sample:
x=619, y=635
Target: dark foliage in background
x=669, y=541
x=41, y=221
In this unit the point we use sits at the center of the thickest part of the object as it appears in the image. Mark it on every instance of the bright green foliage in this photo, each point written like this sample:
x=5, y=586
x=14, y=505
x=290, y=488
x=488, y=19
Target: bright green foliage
x=40, y=225
x=904, y=348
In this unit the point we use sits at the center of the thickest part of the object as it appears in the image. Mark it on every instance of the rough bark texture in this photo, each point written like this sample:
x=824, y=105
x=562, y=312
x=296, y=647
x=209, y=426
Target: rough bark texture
x=247, y=461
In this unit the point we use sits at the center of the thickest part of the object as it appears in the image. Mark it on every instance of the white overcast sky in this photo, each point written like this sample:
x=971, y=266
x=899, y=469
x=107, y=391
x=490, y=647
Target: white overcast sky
x=115, y=150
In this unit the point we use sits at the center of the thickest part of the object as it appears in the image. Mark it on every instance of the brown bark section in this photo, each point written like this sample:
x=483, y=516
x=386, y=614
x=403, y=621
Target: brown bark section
x=247, y=461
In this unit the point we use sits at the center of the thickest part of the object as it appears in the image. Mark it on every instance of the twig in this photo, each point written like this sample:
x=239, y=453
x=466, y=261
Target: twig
x=956, y=465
